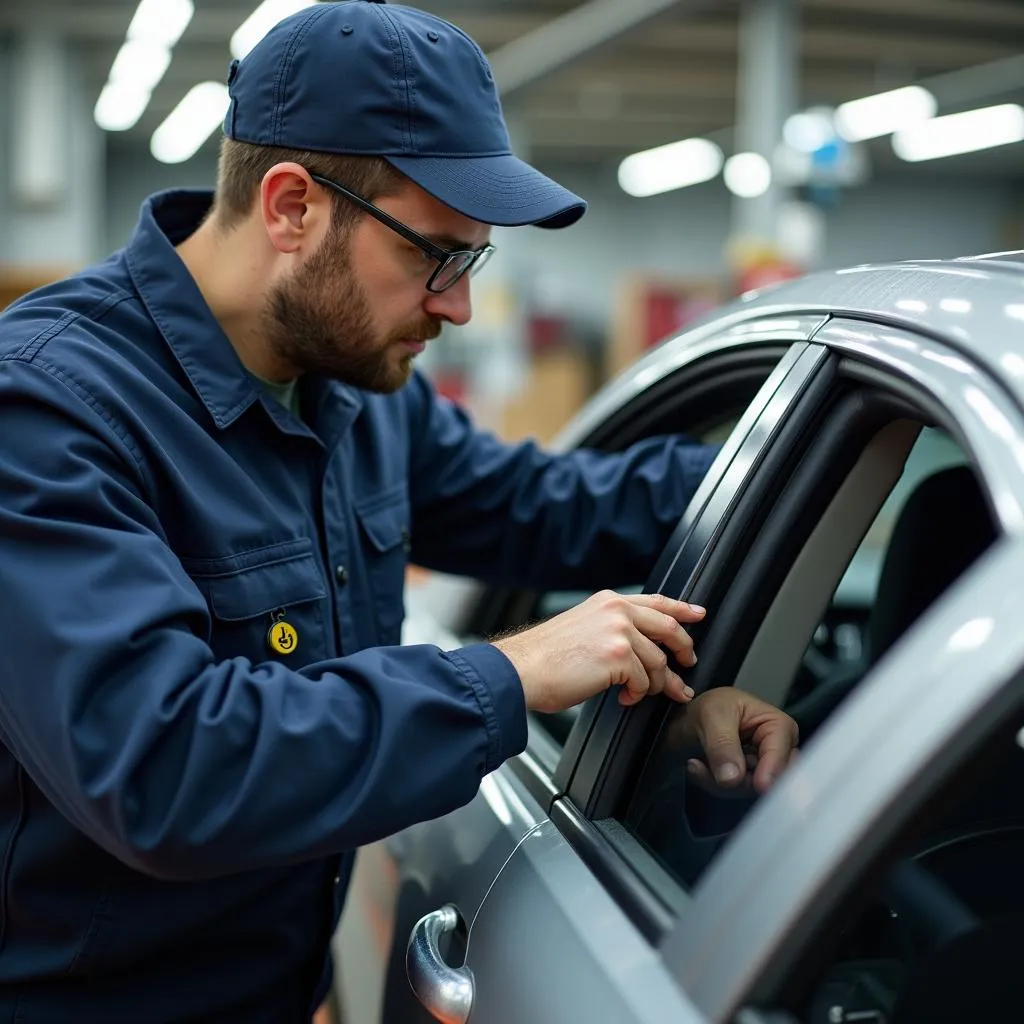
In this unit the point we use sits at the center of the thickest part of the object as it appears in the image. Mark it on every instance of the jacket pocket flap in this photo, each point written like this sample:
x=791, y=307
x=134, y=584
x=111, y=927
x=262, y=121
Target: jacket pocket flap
x=386, y=526
x=264, y=587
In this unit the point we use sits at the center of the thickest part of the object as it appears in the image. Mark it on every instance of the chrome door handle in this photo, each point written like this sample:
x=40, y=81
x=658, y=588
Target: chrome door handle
x=446, y=992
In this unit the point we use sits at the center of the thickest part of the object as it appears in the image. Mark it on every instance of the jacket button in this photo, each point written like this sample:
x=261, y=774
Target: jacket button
x=341, y=574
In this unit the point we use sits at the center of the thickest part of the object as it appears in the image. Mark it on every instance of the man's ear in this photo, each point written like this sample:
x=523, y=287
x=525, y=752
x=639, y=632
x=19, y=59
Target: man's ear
x=295, y=209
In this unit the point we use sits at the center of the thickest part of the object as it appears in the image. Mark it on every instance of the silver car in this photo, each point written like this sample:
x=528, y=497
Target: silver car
x=858, y=543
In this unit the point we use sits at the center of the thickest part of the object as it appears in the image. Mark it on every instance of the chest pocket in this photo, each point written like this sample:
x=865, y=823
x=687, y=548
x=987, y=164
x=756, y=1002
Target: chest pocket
x=247, y=594
x=384, y=523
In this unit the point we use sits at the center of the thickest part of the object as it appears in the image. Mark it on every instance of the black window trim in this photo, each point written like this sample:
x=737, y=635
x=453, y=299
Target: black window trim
x=796, y=401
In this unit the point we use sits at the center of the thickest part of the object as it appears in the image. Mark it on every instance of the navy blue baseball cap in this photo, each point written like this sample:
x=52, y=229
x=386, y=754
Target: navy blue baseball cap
x=374, y=79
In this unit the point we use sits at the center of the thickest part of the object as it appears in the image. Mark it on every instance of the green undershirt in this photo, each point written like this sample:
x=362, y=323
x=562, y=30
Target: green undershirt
x=287, y=393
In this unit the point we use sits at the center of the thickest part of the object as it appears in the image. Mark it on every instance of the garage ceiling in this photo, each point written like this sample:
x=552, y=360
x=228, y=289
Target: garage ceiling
x=672, y=77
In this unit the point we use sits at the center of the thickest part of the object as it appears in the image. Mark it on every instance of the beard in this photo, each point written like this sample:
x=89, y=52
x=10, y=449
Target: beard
x=319, y=321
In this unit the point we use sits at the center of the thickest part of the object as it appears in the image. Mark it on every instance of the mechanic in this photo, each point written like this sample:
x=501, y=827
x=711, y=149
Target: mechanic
x=215, y=462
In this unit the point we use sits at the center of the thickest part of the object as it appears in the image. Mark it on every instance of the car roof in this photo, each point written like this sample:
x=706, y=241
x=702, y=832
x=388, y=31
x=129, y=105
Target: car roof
x=974, y=304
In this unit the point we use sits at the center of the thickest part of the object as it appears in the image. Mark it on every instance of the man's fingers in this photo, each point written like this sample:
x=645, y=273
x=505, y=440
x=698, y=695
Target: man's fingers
x=718, y=731
x=662, y=678
x=653, y=659
x=665, y=630
x=700, y=772
x=681, y=611
x=635, y=682
x=775, y=741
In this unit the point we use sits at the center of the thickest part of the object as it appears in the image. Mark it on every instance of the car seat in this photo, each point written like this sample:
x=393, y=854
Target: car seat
x=943, y=527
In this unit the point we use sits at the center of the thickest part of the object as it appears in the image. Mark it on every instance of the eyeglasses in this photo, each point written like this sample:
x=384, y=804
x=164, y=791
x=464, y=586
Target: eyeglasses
x=451, y=265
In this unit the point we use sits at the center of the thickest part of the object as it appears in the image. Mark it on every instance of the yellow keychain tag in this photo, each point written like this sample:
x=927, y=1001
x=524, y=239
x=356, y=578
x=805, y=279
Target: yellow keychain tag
x=282, y=637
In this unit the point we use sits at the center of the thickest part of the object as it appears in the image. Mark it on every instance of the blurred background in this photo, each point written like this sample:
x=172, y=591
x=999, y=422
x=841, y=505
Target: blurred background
x=722, y=144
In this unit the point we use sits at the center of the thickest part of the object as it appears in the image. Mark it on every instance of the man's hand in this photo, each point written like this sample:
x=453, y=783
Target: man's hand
x=608, y=640
x=739, y=731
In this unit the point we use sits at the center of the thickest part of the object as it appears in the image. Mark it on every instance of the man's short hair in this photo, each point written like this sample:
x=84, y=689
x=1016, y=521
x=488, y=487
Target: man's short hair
x=242, y=167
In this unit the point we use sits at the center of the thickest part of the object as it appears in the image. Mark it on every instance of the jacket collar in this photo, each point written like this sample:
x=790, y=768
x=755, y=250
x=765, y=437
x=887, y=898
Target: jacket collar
x=177, y=307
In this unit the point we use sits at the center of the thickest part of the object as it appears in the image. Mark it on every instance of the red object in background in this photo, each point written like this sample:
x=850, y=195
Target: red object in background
x=545, y=332
x=451, y=384
x=761, y=275
x=666, y=312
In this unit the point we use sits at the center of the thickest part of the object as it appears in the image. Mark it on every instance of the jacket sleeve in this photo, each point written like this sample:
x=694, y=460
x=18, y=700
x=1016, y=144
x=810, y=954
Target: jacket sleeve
x=181, y=766
x=518, y=515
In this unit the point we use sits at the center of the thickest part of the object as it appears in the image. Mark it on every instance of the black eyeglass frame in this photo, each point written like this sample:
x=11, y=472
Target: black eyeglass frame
x=476, y=257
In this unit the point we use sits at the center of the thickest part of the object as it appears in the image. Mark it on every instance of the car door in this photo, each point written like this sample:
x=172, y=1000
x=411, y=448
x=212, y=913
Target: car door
x=460, y=861
x=753, y=884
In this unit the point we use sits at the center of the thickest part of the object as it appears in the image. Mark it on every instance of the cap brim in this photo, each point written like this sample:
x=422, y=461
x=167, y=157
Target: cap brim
x=500, y=190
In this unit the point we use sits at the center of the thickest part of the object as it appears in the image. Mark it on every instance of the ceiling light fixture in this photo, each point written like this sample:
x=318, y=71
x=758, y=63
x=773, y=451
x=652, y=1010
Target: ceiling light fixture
x=200, y=112
x=809, y=130
x=677, y=165
x=161, y=21
x=141, y=62
x=120, y=105
x=884, y=113
x=747, y=175
x=966, y=132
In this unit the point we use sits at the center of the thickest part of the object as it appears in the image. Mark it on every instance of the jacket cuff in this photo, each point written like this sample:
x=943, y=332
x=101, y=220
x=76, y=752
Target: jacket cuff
x=499, y=693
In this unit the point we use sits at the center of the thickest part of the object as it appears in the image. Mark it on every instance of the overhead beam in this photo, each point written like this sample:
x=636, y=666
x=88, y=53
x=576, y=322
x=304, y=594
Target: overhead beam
x=971, y=85
x=819, y=42
x=572, y=35
x=970, y=13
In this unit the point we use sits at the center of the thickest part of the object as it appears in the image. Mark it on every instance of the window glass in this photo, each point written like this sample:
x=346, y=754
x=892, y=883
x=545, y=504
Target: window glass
x=932, y=525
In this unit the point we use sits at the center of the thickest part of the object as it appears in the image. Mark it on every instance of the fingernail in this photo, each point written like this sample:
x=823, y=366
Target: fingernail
x=697, y=609
x=727, y=773
x=688, y=691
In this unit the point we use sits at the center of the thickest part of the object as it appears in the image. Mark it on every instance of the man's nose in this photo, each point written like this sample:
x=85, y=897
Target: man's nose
x=453, y=304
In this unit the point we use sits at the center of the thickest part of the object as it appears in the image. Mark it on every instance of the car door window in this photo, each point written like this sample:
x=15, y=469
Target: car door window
x=881, y=514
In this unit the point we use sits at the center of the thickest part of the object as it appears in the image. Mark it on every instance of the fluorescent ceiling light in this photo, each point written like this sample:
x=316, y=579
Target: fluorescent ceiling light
x=961, y=133
x=190, y=123
x=677, y=165
x=120, y=106
x=884, y=113
x=747, y=175
x=261, y=21
x=809, y=130
x=161, y=21
x=140, y=63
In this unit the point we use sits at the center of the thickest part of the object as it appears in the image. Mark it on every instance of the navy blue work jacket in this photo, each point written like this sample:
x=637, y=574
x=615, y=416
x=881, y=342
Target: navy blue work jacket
x=179, y=802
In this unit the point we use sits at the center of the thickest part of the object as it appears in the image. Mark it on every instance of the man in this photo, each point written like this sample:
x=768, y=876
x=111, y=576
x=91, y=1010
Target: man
x=215, y=461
